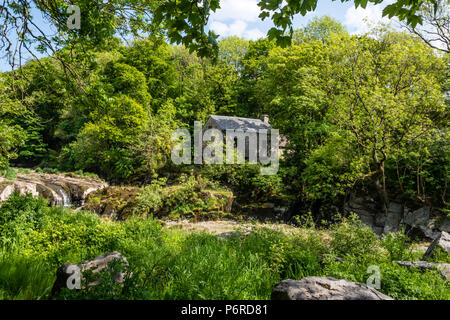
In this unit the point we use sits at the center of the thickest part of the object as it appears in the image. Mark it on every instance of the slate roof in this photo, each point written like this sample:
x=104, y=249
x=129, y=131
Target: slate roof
x=236, y=123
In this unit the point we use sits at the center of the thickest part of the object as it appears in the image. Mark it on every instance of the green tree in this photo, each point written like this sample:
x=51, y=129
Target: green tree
x=333, y=168
x=11, y=136
x=232, y=50
x=292, y=93
x=319, y=28
x=120, y=78
x=104, y=145
x=154, y=144
x=193, y=101
x=182, y=21
x=254, y=64
x=386, y=92
x=153, y=58
x=204, y=87
x=435, y=29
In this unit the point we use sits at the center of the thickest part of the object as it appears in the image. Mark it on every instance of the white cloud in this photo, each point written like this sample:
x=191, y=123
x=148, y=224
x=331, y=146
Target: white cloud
x=360, y=19
x=236, y=28
x=234, y=17
x=219, y=27
x=244, y=10
x=254, y=34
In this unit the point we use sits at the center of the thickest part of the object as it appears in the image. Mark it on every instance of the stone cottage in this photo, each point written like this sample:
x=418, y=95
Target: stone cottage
x=247, y=125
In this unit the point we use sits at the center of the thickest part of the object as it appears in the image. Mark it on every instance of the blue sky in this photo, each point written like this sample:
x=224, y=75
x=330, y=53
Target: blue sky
x=240, y=18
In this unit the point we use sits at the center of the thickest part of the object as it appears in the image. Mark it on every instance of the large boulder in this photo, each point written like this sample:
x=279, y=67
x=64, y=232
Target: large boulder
x=425, y=223
x=419, y=217
x=114, y=202
x=420, y=224
x=444, y=225
x=366, y=208
x=67, y=270
x=319, y=288
x=442, y=241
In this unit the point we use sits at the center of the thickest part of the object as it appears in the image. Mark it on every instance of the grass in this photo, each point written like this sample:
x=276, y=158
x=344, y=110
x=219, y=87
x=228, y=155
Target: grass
x=173, y=264
x=24, y=278
x=9, y=173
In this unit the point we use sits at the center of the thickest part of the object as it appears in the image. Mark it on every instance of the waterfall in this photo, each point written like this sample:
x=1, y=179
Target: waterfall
x=64, y=196
x=60, y=190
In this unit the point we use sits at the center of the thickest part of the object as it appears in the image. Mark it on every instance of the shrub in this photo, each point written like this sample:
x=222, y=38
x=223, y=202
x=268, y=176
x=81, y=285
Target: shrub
x=23, y=171
x=246, y=180
x=406, y=284
x=150, y=199
x=192, y=198
x=19, y=215
x=397, y=244
x=352, y=238
x=51, y=170
x=107, y=288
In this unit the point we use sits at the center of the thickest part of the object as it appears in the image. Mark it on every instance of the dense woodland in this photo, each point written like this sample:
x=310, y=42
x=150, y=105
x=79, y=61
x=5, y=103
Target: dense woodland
x=360, y=112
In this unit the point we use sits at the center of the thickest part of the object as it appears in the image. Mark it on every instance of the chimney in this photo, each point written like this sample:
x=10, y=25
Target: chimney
x=265, y=118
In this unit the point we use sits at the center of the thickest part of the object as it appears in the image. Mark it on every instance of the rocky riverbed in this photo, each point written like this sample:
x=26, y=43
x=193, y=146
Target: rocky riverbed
x=59, y=189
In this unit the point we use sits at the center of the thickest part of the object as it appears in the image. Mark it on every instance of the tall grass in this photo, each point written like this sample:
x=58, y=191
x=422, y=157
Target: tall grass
x=24, y=278
x=171, y=264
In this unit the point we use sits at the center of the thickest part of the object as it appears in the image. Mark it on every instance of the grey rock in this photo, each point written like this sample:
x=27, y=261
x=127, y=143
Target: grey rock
x=444, y=225
x=442, y=241
x=380, y=220
x=366, y=217
x=59, y=189
x=378, y=230
x=429, y=233
x=281, y=210
x=420, y=217
x=236, y=123
x=393, y=218
x=364, y=207
x=319, y=288
x=362, y=203
x=95, y=266
x=423, y=232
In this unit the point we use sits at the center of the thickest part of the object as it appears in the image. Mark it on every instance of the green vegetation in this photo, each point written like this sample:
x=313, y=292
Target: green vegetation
x=172, y=264
x=359, y=113
x=182, y=22
x=364, y=115
x=192, y=198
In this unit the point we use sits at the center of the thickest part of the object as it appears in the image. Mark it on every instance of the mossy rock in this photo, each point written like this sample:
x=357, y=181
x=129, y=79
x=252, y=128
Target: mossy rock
x=202, y=206
x=116, y=203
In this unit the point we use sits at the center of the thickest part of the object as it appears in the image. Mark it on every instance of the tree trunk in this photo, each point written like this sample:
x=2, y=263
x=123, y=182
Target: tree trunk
x=381, y=186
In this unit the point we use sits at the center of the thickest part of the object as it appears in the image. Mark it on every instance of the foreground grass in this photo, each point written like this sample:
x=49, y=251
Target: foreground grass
x=171, y=264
